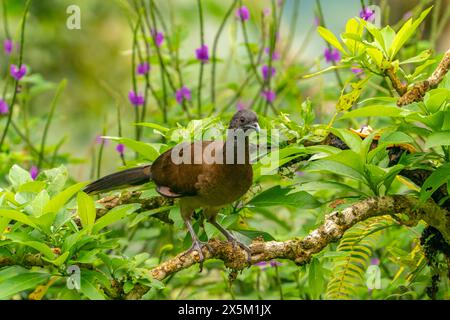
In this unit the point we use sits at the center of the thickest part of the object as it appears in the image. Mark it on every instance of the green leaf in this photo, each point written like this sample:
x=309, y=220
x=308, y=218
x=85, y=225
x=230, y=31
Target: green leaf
x=374, y=111
x=347, y=100
x=128, y=286
x=315, y=278
x=89, y=288
x=18, y=176
x=56, y=179
x=33, y=187
x=59, y=260
x=21, y=282
x=421, y=57
x=153, y=126
x=351, y=139
x=376, y=55
x=353, y=31
x=253, y=234
x=396, y=137
x=437, y=139
x=346, y=163
x=440, y=176
x=388, y=35
x=329, y=37
x=86, y=209
x=405, y=33
x=144, y=149
x=39, y=246
x=329, y=69
x=57, y=202
x=38, y=203
x=436, y=99
x=376, y=33
x=277, y=196
x=18, y=216
x=115, y=215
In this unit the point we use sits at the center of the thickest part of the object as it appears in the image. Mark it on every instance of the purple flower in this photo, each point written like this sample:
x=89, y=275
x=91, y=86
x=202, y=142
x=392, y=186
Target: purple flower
x=375, y=261
x=407, y=15
x=8, y=46
x=202, y=53
x=357, y=70
x=240, y=106
x=262, y=264
x=136, y=99
x=100, y=140
x=120, y=148
x=332, y=55
x=243, y=13
x=275, y=263
x=316, y=21
x=142, y=68
x=300, y=173
x=267, y=12
x=269, y=95
x=275, y=54
x=158, y=37
x=18, y=73
x=367, y=14
x=34, y=171
x=183, y=94
x=265, y=72
x=3, y=107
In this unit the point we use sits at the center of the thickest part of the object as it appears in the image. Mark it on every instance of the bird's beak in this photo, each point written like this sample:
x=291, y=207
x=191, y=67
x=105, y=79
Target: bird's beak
x=253, y=126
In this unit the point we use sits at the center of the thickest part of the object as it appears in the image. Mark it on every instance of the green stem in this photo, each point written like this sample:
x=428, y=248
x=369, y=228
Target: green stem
x=16, y=82
x=5, y=20
x=322, y=22
x=214, y=50
x=202, y=65
x=293, y=27
x=280, y=287
x=60, y=88
x=133, y=75
x=119, y=132
x=100, y=152
x=249, y=51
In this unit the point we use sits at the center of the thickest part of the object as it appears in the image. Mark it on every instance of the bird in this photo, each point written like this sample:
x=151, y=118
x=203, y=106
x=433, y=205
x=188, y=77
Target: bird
x=211, y=179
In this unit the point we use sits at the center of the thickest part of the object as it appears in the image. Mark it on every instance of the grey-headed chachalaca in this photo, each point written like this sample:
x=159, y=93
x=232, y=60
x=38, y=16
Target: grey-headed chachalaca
x=199, y=182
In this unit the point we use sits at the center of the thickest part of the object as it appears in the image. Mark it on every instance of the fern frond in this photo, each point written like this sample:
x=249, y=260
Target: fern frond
x=349, y=269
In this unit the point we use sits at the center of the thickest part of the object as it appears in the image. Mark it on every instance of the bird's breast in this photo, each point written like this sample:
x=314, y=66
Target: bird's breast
x=225, y=184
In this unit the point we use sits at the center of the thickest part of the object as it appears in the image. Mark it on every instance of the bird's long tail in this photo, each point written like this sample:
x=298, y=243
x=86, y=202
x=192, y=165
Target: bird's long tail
x=129, y=177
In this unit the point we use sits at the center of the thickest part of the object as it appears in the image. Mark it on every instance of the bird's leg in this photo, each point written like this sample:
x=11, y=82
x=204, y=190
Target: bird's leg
x=231, y=238
x=196, y=243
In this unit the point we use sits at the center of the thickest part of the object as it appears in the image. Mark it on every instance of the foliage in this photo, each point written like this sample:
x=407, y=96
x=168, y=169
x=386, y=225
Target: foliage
x=52, y=234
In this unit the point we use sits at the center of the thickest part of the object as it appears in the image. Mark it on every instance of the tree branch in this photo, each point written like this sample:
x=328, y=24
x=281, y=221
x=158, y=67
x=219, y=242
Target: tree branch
x=333, y=228
x=418, y=91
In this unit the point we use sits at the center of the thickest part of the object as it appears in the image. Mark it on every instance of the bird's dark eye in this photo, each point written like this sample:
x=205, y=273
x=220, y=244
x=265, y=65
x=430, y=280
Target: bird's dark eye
x=242, y=119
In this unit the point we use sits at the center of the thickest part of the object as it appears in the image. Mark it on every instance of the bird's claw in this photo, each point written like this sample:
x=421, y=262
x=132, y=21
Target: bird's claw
x=237, y=243
x=197, y=246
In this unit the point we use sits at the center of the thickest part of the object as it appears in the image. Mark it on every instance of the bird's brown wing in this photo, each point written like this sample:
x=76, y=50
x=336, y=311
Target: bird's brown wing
x=179, y=177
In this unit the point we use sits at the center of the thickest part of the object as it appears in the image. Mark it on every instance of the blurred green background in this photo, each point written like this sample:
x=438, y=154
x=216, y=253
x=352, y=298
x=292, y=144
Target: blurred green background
x=96, y=59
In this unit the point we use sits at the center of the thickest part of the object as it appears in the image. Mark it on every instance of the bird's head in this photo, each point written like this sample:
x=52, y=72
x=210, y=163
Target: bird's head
x=245, y=120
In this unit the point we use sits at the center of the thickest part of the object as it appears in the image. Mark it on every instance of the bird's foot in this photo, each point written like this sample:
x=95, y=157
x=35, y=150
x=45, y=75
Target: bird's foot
x=197, y=246
x=236, y=243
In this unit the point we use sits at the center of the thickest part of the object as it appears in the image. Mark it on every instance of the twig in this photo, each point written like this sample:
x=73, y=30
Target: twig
x=418, y=91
